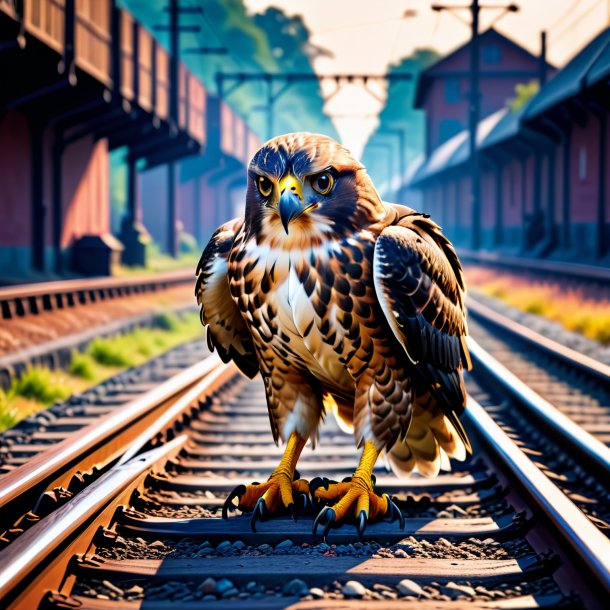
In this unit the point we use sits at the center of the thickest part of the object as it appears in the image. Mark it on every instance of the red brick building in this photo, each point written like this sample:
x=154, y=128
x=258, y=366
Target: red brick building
x=544, y=169
x=442, y=89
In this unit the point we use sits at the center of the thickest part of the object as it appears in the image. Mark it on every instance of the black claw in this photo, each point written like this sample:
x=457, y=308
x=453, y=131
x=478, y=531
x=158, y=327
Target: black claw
x=331, y=519
x=258, y=513
x=401, y=517
x=374, y=479
x=394, y=513
x=239, y=491
x=347, y=480
x=296, y=475
x=326, y=514
x=290, y=509
x=362, y=522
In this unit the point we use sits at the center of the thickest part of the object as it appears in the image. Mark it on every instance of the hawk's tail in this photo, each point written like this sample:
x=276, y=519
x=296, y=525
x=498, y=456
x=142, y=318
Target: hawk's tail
x=431, y=440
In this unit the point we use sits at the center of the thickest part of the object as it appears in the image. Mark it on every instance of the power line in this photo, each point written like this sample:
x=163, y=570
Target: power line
x=574, y=22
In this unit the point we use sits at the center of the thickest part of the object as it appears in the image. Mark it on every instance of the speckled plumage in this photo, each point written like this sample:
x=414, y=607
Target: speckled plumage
x=357, y=305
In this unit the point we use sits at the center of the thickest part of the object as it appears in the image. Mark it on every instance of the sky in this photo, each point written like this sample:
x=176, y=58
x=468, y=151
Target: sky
x=366, y=36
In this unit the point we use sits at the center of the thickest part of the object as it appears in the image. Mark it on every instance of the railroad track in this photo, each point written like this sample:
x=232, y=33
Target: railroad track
x=496, y=532
x=42, y=324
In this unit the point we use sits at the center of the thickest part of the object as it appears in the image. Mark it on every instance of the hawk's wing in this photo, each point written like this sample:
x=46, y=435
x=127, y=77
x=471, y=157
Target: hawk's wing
x=226, y=329
x=419, y=284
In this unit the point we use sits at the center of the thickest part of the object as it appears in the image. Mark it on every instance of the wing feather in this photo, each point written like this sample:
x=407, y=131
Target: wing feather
x=226, y=329
x=419, y=283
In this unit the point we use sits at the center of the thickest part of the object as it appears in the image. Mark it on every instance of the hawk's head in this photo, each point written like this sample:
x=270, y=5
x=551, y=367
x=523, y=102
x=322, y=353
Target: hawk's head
x=304, y=188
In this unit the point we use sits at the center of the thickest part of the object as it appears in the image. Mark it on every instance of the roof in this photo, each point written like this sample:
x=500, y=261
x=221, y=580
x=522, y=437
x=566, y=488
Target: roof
x=427, y=75
x=586, y=69
x=455, y=151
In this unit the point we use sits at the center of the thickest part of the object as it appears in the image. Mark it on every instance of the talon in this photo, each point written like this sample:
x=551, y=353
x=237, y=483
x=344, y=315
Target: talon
x=395, y=510
x=362, y=522
x=259, y=512
x=290, y=509
x=326, y=514
x=239, y=491
x=331, y=519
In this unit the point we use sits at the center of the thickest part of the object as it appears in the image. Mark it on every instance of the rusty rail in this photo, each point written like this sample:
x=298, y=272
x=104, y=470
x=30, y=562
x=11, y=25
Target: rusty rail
x=46, y=296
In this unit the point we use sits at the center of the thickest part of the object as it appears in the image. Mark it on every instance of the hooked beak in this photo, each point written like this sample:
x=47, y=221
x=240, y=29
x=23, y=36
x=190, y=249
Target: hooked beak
x=291, y=200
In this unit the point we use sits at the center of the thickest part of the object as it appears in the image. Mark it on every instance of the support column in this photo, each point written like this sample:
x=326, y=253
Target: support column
x=601, y=246
x=134, y=236
x=499, y=205
x=172, y=237
x=58, y=152
x=565, y=199
x=38, y=209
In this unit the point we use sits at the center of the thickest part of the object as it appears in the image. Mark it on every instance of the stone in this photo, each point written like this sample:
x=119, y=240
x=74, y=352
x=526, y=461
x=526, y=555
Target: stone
x=112, y=587
x=462, y=589
x=295, y=587
x=230, y=593
x=316, y=593
x=157, y=544
x=205, y=551
x=207, y=586
x=238, y=545
x=353, y=588
x=224, y=584
x=225, y=545
x=285, y=544
x=135, y=590
x=410, y=587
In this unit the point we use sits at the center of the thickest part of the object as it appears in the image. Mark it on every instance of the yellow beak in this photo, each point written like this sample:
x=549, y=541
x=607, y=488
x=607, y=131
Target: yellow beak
x=291, y=184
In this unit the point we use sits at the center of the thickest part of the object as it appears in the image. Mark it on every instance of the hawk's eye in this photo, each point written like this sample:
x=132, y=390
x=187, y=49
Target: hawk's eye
x=323, y=183
x=265, y=186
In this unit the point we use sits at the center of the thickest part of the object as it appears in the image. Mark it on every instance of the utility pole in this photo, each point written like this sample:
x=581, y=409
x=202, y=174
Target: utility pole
x=473, y=122
x=474, y=107
x=175, y=29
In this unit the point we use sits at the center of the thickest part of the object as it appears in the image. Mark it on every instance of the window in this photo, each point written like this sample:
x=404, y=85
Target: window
x=453, y=93
x=491, y=54
x=582, y=164
x=448, y=128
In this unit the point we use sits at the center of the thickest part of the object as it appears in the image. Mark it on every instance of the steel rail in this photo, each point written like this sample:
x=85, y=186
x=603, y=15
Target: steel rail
x=577, y=271
x=67, y=454
x=581, y=535
x=13, y=297
x=20, y=559
x=558, y=424
x=571, y=357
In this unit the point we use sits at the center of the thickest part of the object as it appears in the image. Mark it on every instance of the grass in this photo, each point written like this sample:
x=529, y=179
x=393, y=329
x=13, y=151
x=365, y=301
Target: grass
x=566, y=304
x=40, y=387
x=157, y=261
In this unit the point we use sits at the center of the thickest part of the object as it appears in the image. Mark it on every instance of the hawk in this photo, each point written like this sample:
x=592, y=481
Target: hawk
x=340, y=301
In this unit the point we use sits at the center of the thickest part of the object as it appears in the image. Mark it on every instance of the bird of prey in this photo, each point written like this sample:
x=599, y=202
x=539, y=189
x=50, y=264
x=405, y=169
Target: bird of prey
x=343, y=302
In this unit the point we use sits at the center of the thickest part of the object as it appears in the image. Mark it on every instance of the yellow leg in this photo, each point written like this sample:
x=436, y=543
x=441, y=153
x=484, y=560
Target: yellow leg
x=357, y=496
x=266, y=498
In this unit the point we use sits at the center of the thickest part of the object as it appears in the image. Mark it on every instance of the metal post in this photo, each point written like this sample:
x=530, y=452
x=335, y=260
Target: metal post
x=115, y=22
x=38, y=208
x=269, y=108
x=173, y=111
x=473, y=121
x=132, y=190
x=542, y=59
x=172, y=241
x=174, y=59
x=601, y=187
x=58, y=151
